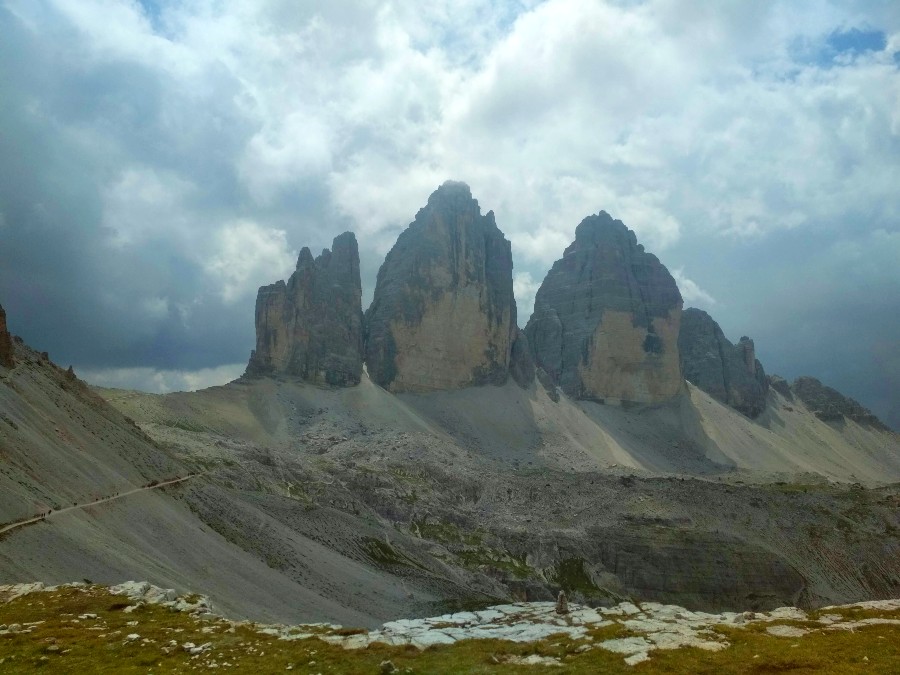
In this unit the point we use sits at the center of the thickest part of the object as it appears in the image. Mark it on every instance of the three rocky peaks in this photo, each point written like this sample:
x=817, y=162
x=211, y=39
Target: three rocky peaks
x=607, y=326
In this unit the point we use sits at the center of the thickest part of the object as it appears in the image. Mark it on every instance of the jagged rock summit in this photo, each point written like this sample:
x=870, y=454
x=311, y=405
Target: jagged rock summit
x=606, y=318
x=443, y=314
x=829, y=405
x=729, y=373
x=312, y=326
x=6, y=345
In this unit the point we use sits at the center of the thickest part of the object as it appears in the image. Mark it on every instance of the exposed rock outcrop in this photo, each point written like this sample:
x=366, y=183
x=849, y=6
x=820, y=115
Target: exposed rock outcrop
x=443, y=314
x=782, y=386
x=829, y=405
x=606, y=318
x=6, y=345
x=521, y=363
x=729, y=373
x=312, y=326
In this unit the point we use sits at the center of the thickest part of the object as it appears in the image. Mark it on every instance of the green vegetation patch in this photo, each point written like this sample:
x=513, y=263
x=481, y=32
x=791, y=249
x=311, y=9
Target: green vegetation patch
x=87, y=631
x=571, y=576
x=382, y=553
x=446, y=533
x=483, y=556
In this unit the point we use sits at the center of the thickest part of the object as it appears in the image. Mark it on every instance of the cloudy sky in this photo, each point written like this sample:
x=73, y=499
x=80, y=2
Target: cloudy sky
x=161, y=159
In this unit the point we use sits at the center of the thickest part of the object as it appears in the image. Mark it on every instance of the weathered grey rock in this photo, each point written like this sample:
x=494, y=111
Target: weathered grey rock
x=443, y=315
x=6, y=345
x=729, y=373
x=312, y=326
x=547, y=383
x=521, y=363
x=782, y=386
x=829, y=405
x=606, y=318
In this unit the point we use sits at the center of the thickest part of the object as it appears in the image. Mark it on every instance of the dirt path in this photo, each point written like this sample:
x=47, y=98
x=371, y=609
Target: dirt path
x=53, y=514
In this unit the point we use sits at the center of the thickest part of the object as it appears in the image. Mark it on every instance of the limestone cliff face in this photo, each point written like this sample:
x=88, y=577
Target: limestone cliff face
x=606, y=318
x=829, y=405
x=312, y=326
x=729, y=373
x=443, y=314
x=521, y=362
x=6, y=346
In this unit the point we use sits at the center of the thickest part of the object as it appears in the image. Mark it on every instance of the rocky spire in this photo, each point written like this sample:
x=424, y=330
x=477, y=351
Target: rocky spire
x=312, y=326
x=729, y=373
x=443, y=314
x=606, y=318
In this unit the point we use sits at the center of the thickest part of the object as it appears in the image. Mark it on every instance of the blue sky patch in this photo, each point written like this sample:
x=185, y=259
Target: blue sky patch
x=856, y=41
x=838, y=47
x=153, y=12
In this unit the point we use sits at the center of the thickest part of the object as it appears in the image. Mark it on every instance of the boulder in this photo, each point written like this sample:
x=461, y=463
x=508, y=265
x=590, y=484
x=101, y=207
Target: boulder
x=443, y=314
x=6, y=343
x=729, y=373
x=829, y=405
x=312, y=326
x=606, y=318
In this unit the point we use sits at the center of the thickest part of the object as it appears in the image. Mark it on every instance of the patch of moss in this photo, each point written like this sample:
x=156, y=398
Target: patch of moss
x=482, y=556
x=571, y=576
x=446, y=533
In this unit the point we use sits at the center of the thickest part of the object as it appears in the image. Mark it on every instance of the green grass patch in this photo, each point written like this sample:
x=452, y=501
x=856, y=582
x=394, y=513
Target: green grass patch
x=61, y=642
x=446, y=533
x=482, y=556
x=571, y=577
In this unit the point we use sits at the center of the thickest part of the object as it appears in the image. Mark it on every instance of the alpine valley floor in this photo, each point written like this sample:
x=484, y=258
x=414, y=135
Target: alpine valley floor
x=357, y=506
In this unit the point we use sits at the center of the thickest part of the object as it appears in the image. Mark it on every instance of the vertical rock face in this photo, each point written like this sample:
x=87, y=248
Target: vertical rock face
x=606, y=318
x=521, y=363
x=312, y=326
x=729, y=373
x=829, y=405
x=6, y=346
x=443, y=315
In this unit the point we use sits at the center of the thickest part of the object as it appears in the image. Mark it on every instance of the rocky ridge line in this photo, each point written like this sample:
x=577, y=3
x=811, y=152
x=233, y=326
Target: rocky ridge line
x=443, y=314
x=729, y=373
x=606, y=319
x=829, y=405
x=312, y=326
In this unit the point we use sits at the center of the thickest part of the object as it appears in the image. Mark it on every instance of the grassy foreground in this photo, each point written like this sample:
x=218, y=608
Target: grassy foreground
x=87, y=630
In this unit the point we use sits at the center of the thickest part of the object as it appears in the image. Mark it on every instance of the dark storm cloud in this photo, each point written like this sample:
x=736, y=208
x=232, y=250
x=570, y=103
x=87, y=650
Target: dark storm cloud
x=813, y=305
x=70, y=127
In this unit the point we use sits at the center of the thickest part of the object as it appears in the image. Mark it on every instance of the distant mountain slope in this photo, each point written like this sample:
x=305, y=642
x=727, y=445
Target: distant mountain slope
x=500, y=491
x=358, y=506
x=694, y=434
x=790, y=438
x=61, y=444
